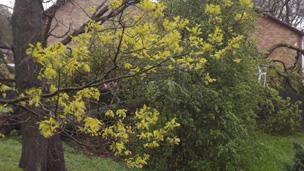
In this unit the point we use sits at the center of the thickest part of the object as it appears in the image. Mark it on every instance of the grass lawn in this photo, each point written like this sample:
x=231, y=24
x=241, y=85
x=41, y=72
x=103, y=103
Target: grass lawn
x=10, y=152
x=278, y=151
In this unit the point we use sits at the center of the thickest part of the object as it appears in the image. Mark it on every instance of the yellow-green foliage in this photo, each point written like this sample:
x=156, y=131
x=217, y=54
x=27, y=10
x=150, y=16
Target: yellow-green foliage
x=214, y=100
x=116, y=4
x=142, y=127
x=144, y=42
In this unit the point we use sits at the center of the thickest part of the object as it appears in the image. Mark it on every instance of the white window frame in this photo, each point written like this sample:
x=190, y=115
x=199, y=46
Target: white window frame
x=302, y=55
x=262, y=75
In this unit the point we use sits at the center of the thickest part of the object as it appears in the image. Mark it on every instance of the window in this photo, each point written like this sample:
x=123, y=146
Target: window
x=262, y=75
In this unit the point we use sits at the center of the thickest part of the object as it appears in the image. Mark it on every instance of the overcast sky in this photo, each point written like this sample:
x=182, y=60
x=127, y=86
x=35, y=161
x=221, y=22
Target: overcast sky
x=10, y=3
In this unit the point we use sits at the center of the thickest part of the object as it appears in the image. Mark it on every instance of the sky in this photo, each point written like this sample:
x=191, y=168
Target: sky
x=10, y=3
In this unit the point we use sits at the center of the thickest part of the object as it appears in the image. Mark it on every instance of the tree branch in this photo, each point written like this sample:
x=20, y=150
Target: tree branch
x=93, y=83
x=49, y=15
x=283, y=45
x=98, y=17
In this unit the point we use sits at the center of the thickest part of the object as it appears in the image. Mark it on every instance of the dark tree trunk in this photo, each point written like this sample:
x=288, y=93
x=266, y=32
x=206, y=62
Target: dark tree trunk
x=38, y=153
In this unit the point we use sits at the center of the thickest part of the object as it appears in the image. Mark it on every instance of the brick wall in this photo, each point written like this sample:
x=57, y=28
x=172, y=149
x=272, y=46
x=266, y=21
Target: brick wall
x=71, y=16
x=269, y=32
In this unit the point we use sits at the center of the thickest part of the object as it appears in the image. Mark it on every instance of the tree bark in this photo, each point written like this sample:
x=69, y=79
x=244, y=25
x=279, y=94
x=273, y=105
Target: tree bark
x=38, y=153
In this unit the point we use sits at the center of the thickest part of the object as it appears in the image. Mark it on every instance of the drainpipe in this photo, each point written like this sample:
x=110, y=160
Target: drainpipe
x=302, y=55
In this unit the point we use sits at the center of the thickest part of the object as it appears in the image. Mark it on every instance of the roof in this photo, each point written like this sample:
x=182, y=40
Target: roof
x=288, y=26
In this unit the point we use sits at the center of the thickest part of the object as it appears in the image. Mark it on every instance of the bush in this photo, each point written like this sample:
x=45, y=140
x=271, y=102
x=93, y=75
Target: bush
x=215, y=105
x=278, y=115
x=216, y=118
x=298, y=164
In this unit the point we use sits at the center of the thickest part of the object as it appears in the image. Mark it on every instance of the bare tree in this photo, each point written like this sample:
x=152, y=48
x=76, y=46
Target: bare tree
x=289, y=11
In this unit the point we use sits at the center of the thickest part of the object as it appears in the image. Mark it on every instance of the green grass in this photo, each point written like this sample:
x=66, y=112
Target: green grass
x=278, y=150
x=10, y=152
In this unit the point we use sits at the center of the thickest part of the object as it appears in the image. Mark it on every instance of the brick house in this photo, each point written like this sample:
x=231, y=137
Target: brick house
x=270, y=32
x=71, y=16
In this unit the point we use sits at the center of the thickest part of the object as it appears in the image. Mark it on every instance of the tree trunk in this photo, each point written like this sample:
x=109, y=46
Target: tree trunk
x=38, y=153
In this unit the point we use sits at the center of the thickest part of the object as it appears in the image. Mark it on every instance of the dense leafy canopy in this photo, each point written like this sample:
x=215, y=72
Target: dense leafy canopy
x=187, y=65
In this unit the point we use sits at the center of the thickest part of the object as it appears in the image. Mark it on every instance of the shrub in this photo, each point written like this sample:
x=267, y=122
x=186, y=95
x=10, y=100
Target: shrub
x=216, y=118
x=278, y=115
x=215, y=122
x=216, y=104
x=298, y=163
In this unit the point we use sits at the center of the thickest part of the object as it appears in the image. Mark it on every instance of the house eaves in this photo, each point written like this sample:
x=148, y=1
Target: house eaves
x=288, y=26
